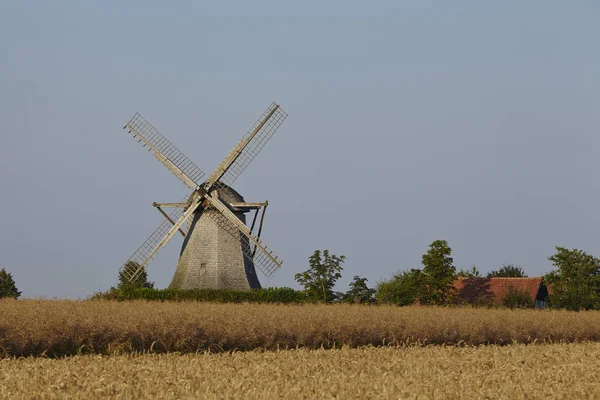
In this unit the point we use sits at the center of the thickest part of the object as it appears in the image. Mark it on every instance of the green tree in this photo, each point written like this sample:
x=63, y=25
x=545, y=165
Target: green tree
x=575, y=282
x=404, y=289
x=359, y=292
x=8, y=287
x=140, y=282
x=508, y=271
x=439, y=274
x=320, y=278
x=469, y=273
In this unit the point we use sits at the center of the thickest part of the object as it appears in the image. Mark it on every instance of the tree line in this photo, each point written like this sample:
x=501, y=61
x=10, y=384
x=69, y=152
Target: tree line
x=574, y=283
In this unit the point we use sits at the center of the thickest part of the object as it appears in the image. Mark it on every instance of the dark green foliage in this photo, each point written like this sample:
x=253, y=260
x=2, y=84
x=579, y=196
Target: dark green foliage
x=470, y=273
x=359, y=292
x=439, y=274
x=404, y=289
x=508, y=271
x=324, y=271
x=140, y=282
x=433, y=285
x=517, y=299
x=575, y=282
x=8, y=287
x=268, y=295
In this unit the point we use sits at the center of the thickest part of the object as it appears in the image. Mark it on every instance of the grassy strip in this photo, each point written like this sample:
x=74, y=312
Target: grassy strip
x=59, y=328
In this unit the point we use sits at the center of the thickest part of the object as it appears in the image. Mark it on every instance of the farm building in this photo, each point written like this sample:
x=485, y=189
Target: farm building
x=493, y=290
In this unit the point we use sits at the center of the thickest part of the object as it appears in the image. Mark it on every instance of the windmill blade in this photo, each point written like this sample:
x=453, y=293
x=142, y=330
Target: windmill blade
x=265, y=260
x=165, y=151
x=138, y=262
x=246, y=150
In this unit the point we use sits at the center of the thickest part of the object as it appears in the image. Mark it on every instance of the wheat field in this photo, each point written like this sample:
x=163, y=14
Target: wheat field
x=140, y=349
x=58, y=328
x=565, y=371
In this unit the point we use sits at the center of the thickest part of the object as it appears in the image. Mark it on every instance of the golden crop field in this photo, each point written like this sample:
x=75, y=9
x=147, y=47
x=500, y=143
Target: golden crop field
x=57, y=328
x=565, y=371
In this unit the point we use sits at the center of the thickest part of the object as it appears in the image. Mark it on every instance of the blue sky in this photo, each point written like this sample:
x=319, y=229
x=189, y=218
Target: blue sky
x=474, y=122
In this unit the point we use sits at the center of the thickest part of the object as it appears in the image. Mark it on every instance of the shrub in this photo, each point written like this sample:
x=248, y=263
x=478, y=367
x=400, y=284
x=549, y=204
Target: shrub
x=517, y=299
x=403, y=289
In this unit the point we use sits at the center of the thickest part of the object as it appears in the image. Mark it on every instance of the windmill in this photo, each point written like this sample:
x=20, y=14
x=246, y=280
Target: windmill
x=219, y=250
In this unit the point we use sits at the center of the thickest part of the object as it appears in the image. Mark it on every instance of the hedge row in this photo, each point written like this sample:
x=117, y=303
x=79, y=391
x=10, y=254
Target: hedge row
x=268, y=295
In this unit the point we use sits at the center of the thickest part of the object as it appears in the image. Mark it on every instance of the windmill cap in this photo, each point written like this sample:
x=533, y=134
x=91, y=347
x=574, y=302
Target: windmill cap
x=229, y=195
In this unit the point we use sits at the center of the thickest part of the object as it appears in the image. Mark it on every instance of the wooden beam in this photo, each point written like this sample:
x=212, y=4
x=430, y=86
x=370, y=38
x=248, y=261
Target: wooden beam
x=168, y=218
x=262, y=220
x=248, y=205
x=170, y=205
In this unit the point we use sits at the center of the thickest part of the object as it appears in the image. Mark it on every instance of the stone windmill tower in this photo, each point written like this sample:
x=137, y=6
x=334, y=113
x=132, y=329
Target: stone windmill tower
x=219, y=250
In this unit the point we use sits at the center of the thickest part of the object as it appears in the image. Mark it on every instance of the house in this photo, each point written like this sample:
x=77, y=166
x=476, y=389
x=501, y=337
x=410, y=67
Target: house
x=493, y=290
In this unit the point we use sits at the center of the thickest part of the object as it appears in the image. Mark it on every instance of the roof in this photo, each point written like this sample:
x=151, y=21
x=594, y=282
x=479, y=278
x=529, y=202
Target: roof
x=474, y=289
x=227, y=194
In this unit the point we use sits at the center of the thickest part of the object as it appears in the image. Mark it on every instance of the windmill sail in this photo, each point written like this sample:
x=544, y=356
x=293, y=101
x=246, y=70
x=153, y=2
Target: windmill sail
x=168, y=155
x=248, y=147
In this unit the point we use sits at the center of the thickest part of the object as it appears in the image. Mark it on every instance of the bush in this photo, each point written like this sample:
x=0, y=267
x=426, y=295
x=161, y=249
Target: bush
x=517, y=299
x=403, y=289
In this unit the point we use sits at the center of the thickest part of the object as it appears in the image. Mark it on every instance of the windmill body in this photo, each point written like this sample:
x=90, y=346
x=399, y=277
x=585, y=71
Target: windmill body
x=219, y=249
x=211, y=257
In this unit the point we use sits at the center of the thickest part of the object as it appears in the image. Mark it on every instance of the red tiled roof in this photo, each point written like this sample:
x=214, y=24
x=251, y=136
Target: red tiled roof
x=472, y=289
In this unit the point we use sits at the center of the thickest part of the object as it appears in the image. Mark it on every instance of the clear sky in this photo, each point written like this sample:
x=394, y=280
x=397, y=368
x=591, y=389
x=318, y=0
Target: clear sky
x=409, y=121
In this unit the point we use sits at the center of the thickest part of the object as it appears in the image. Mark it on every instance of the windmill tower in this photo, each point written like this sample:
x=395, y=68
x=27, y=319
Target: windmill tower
x=219, y=250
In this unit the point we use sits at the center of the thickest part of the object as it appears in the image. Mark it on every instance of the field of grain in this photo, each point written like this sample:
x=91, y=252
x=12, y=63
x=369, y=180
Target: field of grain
x=58, y=328
x=566, y=371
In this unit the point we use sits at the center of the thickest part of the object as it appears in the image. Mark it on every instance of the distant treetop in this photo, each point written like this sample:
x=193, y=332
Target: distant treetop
x=8, y=287
x=508, y=271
